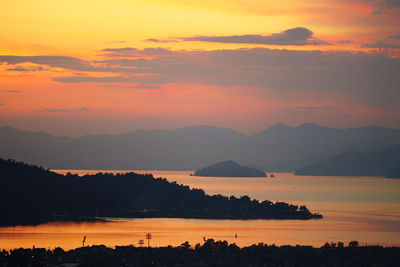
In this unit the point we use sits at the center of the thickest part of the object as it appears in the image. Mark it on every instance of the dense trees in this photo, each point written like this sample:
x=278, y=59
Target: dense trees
x=36, y=195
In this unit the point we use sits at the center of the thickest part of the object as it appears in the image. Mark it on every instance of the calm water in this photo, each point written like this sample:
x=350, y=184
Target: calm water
x=366, y=209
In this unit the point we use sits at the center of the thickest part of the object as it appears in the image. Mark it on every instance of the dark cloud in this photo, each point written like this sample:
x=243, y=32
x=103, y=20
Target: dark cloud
x=103, y=79
x=12, y=91
x=22, y=69
x=295, y=36
x=372, y=79
x=381, y=44
x=345, y=42
x=83, y=109
x=52, y=61
x=394, y=37
x=64, y=62
x=1, y=104
x=391, y=7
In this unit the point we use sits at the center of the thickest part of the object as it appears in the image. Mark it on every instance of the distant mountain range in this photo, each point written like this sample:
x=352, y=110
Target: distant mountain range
x=381, y=162
x=279, y=148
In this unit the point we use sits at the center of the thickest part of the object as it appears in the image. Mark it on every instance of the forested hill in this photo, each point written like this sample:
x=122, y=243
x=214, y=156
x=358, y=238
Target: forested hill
x=382, y=162
x=229, y=168
x=34, y=195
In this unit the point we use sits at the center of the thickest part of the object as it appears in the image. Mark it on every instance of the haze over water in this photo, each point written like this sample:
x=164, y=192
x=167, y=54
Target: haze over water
x=366, y=209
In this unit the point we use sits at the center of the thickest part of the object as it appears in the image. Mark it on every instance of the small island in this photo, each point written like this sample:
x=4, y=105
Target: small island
x=229, y=169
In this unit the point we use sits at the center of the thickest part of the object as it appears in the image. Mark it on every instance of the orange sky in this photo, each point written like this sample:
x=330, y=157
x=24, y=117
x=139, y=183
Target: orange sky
x=80, y=67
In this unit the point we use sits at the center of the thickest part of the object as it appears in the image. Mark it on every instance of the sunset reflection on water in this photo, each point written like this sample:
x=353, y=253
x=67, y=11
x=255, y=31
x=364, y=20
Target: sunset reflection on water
x=366, y=209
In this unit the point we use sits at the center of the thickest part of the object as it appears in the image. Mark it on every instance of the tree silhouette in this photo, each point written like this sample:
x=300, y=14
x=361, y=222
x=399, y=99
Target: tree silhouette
x=33, y=195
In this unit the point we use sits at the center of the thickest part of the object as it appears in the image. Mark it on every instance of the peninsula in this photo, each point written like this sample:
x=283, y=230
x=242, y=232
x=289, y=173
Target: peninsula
x=35, y=195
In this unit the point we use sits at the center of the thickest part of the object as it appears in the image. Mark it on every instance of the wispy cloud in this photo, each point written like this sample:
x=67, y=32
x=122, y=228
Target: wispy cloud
x=64, y=62
x=83, y=109
x=397, y=37
x=12, y=91
x=102, y=79
x=381, y=44
x=326, y=111
x=134, y=52
x=154, y=40
x=140, y=86
x=1, y=104
x=391, y=7
x=118, y=42
x=313, y=109
x=146, y=86
x=345, y=42
x=296, y=36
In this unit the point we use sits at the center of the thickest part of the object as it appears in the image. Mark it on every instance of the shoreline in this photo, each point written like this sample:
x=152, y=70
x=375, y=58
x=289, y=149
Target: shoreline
x=67, y=219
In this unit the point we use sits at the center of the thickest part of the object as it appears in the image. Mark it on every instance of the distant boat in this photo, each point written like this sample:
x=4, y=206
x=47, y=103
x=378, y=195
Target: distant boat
x=272, y=175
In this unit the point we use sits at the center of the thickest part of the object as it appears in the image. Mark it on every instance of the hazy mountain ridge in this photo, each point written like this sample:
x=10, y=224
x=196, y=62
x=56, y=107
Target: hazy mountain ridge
x=382, y=162
x=280, y=147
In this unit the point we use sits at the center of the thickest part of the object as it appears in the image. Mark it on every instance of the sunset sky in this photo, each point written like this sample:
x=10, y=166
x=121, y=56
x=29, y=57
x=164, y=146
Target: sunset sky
x=86, y=67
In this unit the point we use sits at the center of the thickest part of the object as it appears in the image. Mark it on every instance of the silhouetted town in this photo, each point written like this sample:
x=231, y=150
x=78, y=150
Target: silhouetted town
x=210, y=253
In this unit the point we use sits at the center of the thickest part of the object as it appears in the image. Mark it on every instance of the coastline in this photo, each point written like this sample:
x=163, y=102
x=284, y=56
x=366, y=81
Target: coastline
x=67, y=219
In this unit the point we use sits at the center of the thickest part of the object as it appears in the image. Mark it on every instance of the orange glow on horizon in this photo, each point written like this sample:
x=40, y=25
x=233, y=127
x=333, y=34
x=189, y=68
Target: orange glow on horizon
x=82, y=30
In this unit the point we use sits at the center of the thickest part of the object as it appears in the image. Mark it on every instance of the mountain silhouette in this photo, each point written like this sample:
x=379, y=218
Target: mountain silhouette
x=279, y=148
x=382, y=162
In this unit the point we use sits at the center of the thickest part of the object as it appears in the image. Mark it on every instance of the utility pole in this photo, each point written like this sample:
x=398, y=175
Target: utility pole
x=83, y=242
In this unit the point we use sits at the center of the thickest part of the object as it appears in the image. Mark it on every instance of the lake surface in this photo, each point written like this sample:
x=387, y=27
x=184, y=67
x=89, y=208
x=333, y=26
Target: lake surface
x=366, y=209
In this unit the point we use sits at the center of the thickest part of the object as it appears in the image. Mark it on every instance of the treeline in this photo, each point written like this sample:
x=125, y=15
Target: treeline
x=211, y=253
x=33, y=195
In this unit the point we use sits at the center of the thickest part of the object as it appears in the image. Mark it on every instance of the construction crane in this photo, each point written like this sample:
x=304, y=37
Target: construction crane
x=148, y=237
x=141, y=242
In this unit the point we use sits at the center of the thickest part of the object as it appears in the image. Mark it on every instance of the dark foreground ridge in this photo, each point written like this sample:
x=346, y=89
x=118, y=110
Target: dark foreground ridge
x=211, y=253
x=35, y=195
x=229, y=168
